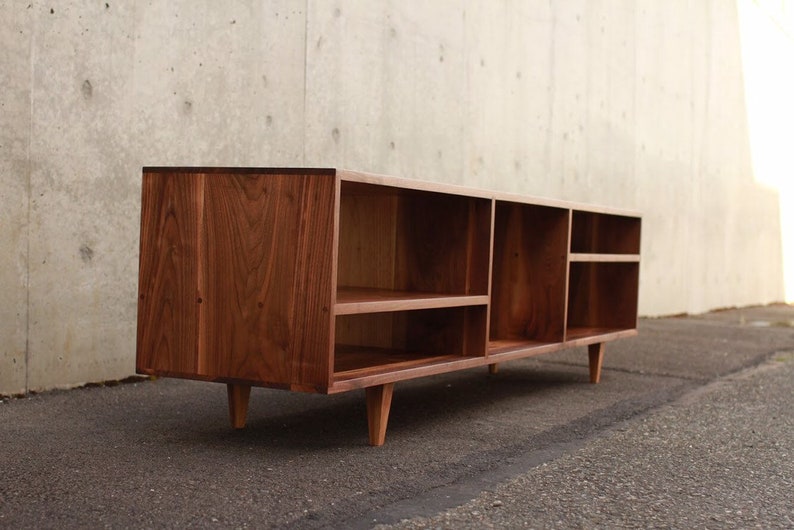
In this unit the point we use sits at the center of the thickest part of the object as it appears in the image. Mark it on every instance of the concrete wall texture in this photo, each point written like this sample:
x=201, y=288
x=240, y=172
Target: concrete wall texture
x=632, y=104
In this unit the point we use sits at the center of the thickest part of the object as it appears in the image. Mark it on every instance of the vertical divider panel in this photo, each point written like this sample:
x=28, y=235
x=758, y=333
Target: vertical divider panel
x=475, y=326
x=489, y=309
x=336, y=213
x=478, y=276
x=569, y=246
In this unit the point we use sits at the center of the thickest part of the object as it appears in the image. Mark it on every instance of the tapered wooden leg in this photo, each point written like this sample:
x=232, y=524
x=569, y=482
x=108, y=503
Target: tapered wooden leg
x=596, y=353
x=238, y=404
x=378, y=406
x=493, y=369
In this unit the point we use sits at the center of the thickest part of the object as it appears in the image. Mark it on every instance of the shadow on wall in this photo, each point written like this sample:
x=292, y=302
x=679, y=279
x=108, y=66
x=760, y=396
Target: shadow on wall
x=767, y=42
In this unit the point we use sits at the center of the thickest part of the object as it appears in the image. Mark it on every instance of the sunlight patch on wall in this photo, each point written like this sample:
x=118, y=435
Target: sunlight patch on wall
x=767, y=40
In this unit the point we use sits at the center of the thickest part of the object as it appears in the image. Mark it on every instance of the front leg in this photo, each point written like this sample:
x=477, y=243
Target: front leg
x=238, y=404
x=378, y=407
x=596, y=354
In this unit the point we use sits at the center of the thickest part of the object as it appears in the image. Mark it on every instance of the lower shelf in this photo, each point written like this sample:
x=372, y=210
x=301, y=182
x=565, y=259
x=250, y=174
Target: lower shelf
x=578, y=333
x=364, y=366
x=511, y=345
x=357, y=361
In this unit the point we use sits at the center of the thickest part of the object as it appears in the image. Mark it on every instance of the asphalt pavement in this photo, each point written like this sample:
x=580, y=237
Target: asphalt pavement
x=692, y=425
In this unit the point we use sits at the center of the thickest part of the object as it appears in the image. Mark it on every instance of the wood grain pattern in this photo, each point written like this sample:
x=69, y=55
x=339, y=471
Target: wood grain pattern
x=236, y=277
x=478, y=247
x=432, y=245
x=168, y=274
x=367, y=227
x=475, y=330
x=529, y=264
x=375, y=330
x=266, y=278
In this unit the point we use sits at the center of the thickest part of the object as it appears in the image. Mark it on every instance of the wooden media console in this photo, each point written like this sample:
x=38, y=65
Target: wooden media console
x=323, y=280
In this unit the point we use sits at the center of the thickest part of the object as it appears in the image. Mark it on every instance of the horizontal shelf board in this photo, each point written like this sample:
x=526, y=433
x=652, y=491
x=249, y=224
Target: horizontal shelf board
x=358, y=300
x=508, y=350
x=512, y=345
x=411, y=185
x=373, y=360
x=356, y=361
x=604, y=258
x=454, y=189
x=587, y=335
x=360, y=367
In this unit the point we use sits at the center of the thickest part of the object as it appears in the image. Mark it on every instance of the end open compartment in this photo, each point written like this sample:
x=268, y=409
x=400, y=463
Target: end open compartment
x=602, y=298
x=600, y=233
x=528, y=277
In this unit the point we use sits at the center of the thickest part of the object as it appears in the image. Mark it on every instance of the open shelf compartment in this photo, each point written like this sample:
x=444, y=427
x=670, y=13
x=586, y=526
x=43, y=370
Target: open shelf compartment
x=528, y=276
x=600, y=233
x=410, y=245
x=373, y=343
x=602, y=299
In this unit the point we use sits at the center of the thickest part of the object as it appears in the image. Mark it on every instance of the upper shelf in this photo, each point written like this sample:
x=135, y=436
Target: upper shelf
x=599, y=233
x=394, y=243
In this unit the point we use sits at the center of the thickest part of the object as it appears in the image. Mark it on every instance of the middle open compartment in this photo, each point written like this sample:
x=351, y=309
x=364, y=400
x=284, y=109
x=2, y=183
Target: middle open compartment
x=529, y=270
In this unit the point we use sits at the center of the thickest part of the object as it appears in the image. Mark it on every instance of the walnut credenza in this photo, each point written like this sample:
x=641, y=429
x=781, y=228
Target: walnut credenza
x=323, y=280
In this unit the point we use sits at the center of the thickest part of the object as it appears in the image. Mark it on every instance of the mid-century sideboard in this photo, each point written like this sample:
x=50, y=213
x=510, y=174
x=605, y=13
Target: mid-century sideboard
x=325, y=280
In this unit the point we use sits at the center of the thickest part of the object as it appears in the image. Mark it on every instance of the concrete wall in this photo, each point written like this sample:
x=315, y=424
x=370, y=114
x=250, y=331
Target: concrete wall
x=633, y=104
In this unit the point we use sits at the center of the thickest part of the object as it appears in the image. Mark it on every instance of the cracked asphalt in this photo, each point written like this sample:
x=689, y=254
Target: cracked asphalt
x=691, y=426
